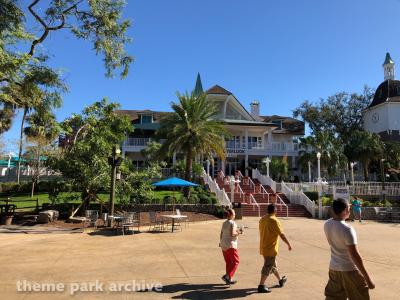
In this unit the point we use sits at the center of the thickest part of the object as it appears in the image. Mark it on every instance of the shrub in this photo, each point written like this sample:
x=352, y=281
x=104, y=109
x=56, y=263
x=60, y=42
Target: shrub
x=312, y=195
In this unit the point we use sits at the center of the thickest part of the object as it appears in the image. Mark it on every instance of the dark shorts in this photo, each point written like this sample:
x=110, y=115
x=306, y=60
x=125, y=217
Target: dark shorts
x=269, y=265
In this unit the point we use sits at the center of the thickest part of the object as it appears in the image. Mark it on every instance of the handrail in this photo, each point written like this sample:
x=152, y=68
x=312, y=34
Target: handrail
x=214, y=188
x=252, y=199
x=251, y=183
x=282, y=203
x=298, y=197
x=240, y=191
x=265, y=180
x=240, y=174
x=264, y=191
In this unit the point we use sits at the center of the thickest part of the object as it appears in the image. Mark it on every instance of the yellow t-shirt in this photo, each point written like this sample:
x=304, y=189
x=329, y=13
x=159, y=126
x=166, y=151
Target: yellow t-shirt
x=270, y=229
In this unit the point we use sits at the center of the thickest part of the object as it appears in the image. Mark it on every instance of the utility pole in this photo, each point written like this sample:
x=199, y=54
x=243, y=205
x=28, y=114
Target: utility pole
x=114, y=161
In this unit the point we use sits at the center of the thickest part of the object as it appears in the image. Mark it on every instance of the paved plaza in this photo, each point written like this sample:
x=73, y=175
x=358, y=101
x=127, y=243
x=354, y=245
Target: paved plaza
x=188, y=264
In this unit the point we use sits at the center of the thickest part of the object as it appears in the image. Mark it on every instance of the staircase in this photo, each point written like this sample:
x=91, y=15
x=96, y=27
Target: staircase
x=263, y=199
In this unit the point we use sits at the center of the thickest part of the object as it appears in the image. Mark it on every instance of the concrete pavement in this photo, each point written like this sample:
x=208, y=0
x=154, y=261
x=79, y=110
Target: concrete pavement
x=187, y=264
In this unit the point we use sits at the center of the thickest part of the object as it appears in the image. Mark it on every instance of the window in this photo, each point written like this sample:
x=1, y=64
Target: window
x=277, y=122
x=146, y=119
x=255, y=142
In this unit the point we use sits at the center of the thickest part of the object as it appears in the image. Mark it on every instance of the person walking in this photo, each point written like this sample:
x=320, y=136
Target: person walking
x=229, y=244
x=348, y=278
x=356, y=205
x=270, y=231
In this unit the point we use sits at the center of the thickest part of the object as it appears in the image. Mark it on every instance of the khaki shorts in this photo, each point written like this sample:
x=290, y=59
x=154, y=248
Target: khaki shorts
x=346, y=284
x=269, y=265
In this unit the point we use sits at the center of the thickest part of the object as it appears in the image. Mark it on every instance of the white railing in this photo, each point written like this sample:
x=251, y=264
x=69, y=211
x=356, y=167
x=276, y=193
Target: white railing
x=240, y=191
x=252, y=185
x=239, y=173
x=136, y=142
x=298, y=197
x=253, y=200
x=221, y=195
x=264, y=191
x=281, y=203
x=283, y=147
x=264, y=180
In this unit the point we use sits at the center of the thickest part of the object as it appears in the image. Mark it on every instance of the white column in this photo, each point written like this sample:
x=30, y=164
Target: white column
x=246, y=160
x=208, y=167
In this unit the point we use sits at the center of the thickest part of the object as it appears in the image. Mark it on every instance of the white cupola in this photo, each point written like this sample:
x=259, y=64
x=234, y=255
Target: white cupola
x=388, y=68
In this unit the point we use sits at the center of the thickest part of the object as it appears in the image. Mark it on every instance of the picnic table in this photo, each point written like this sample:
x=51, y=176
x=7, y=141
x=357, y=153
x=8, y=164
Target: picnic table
x=173, y=218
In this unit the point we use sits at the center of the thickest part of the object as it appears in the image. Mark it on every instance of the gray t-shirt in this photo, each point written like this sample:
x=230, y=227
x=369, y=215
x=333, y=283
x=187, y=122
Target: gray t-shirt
x=339, y=236
x=226, y=239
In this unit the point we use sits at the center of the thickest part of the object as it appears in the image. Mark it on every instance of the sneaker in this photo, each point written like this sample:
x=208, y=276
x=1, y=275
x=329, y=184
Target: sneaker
x=225, y=278
x=263, y=289
x=282, y=281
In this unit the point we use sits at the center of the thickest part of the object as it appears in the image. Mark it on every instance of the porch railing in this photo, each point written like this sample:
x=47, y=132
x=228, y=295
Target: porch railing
x=221, y=195
x=298, y=197
x=264, y=180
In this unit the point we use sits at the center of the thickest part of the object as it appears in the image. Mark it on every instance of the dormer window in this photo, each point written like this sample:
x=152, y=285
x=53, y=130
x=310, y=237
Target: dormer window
x=146, y=119
x=277, y=122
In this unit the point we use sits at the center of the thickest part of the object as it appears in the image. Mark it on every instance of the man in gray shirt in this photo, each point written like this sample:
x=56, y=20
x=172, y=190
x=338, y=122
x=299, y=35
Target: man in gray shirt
x=348, y=278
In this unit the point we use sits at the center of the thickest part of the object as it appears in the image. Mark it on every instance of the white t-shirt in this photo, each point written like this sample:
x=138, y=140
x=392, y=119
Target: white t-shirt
x=339, y=236
x=226, y=239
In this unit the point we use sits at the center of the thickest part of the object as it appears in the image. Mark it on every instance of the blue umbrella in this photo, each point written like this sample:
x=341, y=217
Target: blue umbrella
x=174, y=182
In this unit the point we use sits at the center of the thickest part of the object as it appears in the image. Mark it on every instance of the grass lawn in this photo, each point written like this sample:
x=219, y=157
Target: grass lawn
x=73, y=197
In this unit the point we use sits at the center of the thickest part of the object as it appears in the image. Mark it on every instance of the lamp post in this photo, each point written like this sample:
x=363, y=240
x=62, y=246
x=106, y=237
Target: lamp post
x=352, y=164
x=114, y=161
x=319, y=186
x=309, y=171
x=383, y=179
x=267, y=161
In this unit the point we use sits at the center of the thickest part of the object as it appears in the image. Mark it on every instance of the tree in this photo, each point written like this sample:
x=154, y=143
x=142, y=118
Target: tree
x=43, y=129
x=40, y=88
x=136, y=186
x=87, y=142
x=150, y=153
x=340, y=113
x=22, y=63
x=364, y=147
x=331, y=149
x=278, y=168
x=99, y=22
x=191, y=130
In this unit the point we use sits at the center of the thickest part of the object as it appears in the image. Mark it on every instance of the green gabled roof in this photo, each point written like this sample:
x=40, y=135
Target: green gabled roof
x=198, y=89
x=388, y=59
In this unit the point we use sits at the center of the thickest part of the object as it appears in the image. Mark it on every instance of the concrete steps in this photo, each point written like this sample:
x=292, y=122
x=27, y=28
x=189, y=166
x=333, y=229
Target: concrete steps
x=251, y=209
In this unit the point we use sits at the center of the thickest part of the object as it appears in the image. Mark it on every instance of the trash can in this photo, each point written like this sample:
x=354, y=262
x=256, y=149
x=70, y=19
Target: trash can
x=237, y=207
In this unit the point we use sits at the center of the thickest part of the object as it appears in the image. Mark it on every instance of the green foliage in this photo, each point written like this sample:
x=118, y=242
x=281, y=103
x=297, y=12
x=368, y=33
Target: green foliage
x=340, y=113
x=312, y=195
x=326, y=201
x=26, y=80
x=278, y=168
x=180, y=167
x=364, y=147
x=89, y=139
x=191, y=130
x=331, y=149
x=136, y=186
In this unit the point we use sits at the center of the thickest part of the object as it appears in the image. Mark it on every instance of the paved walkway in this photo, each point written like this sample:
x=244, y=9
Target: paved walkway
x=189, y=264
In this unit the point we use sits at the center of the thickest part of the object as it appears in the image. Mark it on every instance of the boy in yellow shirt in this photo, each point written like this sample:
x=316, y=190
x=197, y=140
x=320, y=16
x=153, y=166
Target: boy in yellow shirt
x=270, y=231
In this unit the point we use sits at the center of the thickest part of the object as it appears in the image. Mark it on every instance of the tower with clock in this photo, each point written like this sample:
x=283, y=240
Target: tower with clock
x=382, y=116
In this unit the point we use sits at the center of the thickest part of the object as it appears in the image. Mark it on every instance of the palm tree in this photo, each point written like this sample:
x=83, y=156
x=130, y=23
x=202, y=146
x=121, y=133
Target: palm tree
x=41, y=132
x=332, y=156
x=278, y=168
x=364, y=147
x=40, y=87
x=191, y=130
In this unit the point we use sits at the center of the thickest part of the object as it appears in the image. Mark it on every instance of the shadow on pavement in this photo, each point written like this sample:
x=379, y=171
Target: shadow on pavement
x=205, y=291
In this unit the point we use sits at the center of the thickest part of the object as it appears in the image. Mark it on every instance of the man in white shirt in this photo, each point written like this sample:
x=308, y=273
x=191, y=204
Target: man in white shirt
x=348, y=278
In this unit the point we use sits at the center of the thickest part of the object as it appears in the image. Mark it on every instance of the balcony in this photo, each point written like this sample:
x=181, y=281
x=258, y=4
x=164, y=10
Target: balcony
x=136, y=144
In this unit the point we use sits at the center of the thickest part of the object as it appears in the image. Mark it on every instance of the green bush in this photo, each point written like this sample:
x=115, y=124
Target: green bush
x=312, y=195
x=385, y=203
x=326, y=201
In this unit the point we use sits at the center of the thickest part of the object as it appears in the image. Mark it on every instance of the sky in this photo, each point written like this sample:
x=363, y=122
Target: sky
x=277, y=52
